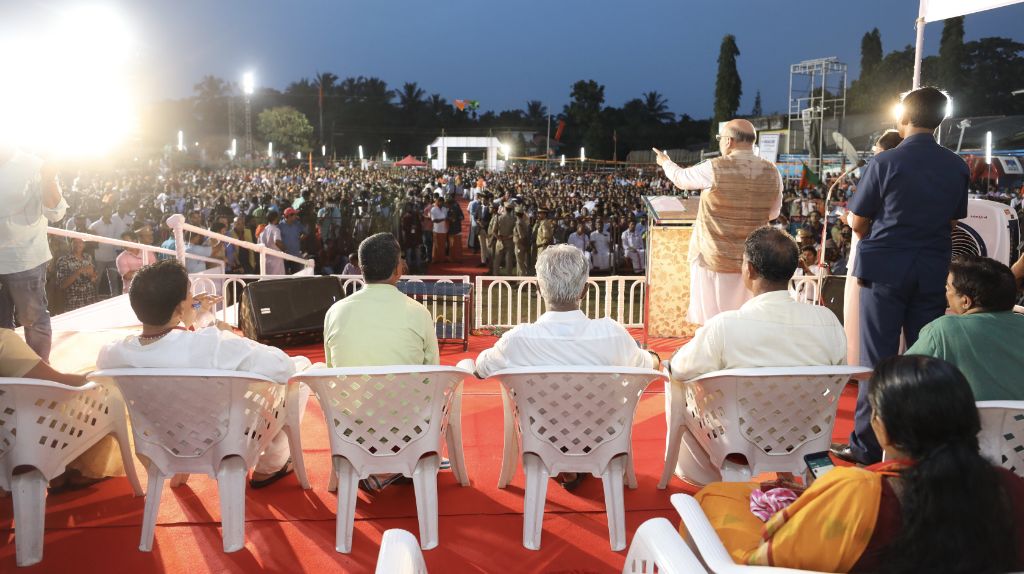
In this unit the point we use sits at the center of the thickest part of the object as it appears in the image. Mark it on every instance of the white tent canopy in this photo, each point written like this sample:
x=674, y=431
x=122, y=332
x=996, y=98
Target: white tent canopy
x=443, y=143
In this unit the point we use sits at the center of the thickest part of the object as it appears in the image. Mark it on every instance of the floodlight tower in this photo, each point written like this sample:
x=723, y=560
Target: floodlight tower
x=248, y=87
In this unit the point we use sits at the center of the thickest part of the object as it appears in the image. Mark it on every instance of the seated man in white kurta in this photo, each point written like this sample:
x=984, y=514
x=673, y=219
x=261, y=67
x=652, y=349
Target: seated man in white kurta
x=769, y=330
x=580, y=240
x=741, y=192
x=601, y=242
x=633, y=247
x=163, y=302
x=564, y=335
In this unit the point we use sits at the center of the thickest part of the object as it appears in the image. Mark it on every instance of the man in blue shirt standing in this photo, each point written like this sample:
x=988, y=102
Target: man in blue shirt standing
x=904, y=210
x=292, y=232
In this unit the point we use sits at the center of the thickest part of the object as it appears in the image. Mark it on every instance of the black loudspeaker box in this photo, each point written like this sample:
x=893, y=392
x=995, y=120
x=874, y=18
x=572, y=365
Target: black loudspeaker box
x=833, y=289
x=286, y=312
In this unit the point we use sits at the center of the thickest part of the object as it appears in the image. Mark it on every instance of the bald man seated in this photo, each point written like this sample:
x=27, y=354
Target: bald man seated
x=739, y=193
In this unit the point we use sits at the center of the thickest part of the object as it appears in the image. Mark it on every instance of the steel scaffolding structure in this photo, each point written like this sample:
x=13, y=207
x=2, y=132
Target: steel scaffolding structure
x=817, y=104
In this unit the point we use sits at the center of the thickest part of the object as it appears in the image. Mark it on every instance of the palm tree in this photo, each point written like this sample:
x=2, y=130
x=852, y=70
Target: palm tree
x=536, y=112
x=410, y=98
x=656, y=108
x=438, y=106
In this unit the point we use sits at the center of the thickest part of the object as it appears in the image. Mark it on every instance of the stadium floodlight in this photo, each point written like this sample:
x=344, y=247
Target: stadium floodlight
x=562, y=162
x=323, y=150
x=270, y=149
x=234, y=147
x=384, y=156
x=464, y=158
x=583, y=155
x=181, y=140
x=504, y=150
x=248, y=83
x=360, y=153
x=988, y=148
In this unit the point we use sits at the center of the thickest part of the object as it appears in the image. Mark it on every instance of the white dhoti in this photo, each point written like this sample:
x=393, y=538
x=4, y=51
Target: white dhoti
x=851, y=309
x=636, y=258
x=278, y=452
x=712, y=292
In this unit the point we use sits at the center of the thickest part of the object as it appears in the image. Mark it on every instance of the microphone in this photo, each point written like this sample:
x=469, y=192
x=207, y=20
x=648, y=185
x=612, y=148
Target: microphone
x=828, y=199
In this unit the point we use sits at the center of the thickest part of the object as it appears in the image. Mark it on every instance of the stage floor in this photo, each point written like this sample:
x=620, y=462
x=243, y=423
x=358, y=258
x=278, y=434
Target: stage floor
x=292, y=530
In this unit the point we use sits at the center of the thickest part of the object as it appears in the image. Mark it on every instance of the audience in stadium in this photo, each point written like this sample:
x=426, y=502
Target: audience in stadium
x=934, y=505
x=771, y=329
x=162, y=300
x=982, y=337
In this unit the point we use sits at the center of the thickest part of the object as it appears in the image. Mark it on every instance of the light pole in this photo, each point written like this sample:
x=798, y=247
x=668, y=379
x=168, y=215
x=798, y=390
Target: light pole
x=248, y=87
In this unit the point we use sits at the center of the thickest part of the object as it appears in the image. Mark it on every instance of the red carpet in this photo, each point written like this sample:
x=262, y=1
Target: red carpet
x=291, y=530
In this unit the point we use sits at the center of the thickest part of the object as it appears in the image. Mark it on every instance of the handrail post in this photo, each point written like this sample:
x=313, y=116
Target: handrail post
x=175, y=222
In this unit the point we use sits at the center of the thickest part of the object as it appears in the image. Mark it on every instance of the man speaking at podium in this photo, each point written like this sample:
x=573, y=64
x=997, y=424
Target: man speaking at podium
x=741, y=192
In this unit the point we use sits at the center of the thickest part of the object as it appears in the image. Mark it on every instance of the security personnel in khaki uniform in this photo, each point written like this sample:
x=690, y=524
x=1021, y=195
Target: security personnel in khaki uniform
x=504, y=251
x=521, y=239
x=543, y=231
x=492, y=237
x=483, y=228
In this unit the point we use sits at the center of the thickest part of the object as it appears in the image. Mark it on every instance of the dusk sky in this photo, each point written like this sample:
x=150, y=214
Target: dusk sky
x=505, y=53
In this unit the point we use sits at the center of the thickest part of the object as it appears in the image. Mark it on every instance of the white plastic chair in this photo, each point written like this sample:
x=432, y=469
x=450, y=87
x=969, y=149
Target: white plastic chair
x=44, y=426
x=400, y=554
x=384, y=420
x=701, y=535
x=1002, y=433
x=773, y=416
x=210, y=422
x=658, y=548
x=575, y=419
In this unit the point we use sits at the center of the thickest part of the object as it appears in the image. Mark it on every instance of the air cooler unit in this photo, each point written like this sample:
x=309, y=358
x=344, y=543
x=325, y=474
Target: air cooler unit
x=990, y=229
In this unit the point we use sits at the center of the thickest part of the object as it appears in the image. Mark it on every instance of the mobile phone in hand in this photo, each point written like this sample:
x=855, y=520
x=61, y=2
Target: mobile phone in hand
x=818, y=463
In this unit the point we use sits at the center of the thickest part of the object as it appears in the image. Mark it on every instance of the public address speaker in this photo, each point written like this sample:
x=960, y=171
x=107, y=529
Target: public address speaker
x=283, y=312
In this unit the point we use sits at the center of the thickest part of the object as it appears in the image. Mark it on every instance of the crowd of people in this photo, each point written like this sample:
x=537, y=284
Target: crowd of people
x=918, y=496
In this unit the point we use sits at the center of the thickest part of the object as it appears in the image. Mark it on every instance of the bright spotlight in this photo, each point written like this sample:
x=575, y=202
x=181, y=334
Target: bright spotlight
x=323, y=150
x=465, y=158
x=897, y=112
x=181, y=140
x=384, y=156
x=68, y=85
x=583, y=154
x=562, y=162
x=248, y=83
x=988, y=148
x=270, y=149
x=360, y=153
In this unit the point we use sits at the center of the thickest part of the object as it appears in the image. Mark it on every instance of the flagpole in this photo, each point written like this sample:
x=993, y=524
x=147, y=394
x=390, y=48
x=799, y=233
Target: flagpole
x=547, y=143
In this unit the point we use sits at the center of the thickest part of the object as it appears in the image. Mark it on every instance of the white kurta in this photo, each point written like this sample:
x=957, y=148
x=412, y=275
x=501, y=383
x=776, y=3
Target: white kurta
x=602, y=249
x=270, y=236
x=211, y=348
x=710, y=292
x=633, y=247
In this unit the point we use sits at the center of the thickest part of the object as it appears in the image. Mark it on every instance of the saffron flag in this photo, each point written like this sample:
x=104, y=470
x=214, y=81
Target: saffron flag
x=808, y=178
x=560, y=130
x=935, y=10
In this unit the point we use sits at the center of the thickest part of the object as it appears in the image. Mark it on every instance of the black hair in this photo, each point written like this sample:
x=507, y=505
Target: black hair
x=955, y=514
x=378, y=257
x=273, y=216
x=156, y=290
x=925, y=107
x=772, y=253
x=889, y=140
x=990, y=284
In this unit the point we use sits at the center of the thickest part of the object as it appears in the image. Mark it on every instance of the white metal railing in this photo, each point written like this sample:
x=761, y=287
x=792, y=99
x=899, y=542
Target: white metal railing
x=230, y=286
x=178, y=226
x=507, y=301
x=145, y=249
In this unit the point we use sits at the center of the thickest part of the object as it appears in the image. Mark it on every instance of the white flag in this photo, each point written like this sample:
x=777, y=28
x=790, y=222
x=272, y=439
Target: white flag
x=935, y=10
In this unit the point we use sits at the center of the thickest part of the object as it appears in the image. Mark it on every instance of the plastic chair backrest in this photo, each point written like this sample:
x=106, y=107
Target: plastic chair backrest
x=766, y=412
x=46, y=425
x=188, y=420
x=576, y=418
x=657, y=548
x=383, y=419
x=400, y=554
x=1002, y=433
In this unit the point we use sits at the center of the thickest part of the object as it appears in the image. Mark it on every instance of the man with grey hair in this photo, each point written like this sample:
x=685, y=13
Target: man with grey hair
x=741, y=192
x=563, y=335
x=378, y=325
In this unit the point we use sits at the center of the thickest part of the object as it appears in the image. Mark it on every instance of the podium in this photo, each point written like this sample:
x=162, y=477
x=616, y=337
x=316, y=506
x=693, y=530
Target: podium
x=670, y=228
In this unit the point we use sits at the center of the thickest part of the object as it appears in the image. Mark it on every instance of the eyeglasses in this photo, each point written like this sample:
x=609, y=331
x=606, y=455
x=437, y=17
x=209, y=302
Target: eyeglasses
x=720, y=137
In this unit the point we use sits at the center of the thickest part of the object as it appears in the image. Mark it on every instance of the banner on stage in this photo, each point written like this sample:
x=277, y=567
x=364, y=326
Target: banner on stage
x=768, y=147
x=935, y=10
